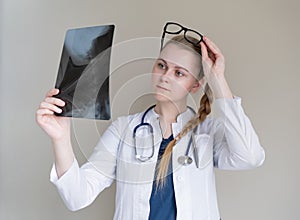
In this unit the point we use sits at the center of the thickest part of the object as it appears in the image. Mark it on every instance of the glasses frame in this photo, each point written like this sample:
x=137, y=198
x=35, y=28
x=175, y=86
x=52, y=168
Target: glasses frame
x=185, y=29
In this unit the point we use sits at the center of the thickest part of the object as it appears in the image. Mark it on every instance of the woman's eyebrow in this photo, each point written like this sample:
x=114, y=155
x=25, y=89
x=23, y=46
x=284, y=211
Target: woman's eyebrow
x=161, y=59
x=178, y=67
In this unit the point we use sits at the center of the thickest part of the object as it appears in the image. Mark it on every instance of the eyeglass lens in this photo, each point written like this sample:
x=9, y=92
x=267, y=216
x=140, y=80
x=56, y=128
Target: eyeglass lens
x=188, y=33
x=174, y=28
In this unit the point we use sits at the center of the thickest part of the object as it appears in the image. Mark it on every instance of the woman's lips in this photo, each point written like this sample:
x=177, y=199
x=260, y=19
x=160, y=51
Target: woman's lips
x=163, y=88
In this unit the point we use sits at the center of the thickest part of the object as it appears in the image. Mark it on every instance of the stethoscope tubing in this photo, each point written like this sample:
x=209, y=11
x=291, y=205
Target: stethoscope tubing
x=184, y=160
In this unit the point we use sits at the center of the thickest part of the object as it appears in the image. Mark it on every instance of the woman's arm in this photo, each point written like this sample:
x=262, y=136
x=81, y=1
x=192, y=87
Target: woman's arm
x=236, y=145
x=58, y=129
x=63, y=154
x=78, y=187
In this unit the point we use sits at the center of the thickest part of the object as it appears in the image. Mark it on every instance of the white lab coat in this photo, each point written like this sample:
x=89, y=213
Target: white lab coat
x=226, y=141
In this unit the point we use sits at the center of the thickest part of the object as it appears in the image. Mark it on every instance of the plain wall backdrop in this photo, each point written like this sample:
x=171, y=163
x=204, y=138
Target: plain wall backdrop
x=260, y=41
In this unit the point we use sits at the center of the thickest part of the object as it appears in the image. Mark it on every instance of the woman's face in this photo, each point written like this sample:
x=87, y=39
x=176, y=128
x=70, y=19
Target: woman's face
x=175, y=73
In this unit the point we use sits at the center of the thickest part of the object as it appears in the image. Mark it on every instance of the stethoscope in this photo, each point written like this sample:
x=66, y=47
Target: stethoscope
x=184, y=159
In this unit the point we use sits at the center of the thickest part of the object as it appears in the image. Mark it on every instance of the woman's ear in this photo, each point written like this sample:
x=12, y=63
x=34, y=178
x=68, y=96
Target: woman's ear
x=197, y=85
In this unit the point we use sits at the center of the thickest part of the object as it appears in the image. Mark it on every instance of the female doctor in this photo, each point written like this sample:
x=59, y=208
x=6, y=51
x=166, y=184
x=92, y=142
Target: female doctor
x=170, y=175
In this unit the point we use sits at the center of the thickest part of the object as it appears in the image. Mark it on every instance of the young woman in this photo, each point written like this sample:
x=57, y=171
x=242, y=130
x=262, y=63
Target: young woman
x=171, y=178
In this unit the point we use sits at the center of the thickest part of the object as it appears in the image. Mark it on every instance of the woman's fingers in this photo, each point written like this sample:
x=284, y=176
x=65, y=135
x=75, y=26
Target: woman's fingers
x=46, y=105
x=40, y=113
x=212, y=58
x=52, y=92
x=212, y=52
x=55, y=101
x=205, y=54
x=52, y=100
x=50, y=104
x=44, y=111
x=203, y=50
x=212, y=46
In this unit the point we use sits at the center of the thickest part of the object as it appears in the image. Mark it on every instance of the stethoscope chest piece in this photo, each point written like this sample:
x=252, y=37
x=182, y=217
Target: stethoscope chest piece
x=185, y=160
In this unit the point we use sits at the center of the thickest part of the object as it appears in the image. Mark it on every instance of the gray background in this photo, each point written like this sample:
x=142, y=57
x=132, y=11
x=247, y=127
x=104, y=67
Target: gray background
x=260, y=41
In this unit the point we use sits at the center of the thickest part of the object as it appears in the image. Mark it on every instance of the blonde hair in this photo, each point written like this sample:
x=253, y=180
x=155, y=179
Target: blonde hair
x=201, y=115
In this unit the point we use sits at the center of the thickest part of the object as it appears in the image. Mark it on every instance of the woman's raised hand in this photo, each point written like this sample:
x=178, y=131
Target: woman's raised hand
x=57, y=127
x=213, y=63
x=212, y=58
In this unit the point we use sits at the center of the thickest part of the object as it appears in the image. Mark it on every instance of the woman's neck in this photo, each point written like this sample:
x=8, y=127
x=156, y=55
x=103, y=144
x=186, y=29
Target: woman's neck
x=169, y=111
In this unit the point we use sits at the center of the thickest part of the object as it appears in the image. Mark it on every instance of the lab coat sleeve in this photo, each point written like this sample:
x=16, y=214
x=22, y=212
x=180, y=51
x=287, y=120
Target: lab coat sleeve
x=236, y=144
x=79, y=186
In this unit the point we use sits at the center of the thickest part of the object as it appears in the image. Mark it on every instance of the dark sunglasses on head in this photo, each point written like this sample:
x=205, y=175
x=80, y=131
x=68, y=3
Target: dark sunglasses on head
x=175, y=28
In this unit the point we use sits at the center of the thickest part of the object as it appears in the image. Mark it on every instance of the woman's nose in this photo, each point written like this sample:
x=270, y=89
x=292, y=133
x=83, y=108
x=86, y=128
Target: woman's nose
x=165, y=77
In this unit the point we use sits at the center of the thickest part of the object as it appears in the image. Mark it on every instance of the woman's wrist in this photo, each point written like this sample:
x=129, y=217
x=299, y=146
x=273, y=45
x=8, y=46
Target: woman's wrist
x=64, y=155
x=220, y=88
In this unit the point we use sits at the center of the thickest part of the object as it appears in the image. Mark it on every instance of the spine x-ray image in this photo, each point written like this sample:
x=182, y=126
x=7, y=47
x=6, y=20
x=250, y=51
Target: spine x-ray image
x=83, y=75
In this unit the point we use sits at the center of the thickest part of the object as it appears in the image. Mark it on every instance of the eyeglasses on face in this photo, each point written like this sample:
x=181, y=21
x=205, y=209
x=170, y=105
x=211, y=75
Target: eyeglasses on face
x=175, y=28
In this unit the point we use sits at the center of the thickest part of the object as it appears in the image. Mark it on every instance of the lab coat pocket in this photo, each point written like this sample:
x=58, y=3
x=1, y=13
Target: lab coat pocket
x=204, y=149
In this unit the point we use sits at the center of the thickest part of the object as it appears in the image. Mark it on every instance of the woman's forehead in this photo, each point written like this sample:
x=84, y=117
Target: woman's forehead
x=179, y=56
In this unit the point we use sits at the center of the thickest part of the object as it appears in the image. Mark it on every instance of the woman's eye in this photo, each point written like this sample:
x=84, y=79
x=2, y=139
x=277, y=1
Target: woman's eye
x=179, y=73
x=161, y=65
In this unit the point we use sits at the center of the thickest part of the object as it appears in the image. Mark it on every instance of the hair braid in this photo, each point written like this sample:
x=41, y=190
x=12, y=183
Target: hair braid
x=203, y=111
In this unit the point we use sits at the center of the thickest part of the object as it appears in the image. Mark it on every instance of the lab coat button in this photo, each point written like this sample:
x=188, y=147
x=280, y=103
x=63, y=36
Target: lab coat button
x=179, y=178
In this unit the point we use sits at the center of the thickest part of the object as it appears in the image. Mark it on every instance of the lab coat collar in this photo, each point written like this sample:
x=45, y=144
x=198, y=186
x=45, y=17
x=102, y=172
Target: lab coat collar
x=181, y=120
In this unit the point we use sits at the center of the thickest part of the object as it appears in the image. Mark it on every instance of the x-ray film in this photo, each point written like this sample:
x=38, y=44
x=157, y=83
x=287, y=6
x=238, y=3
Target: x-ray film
x=83, y=74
